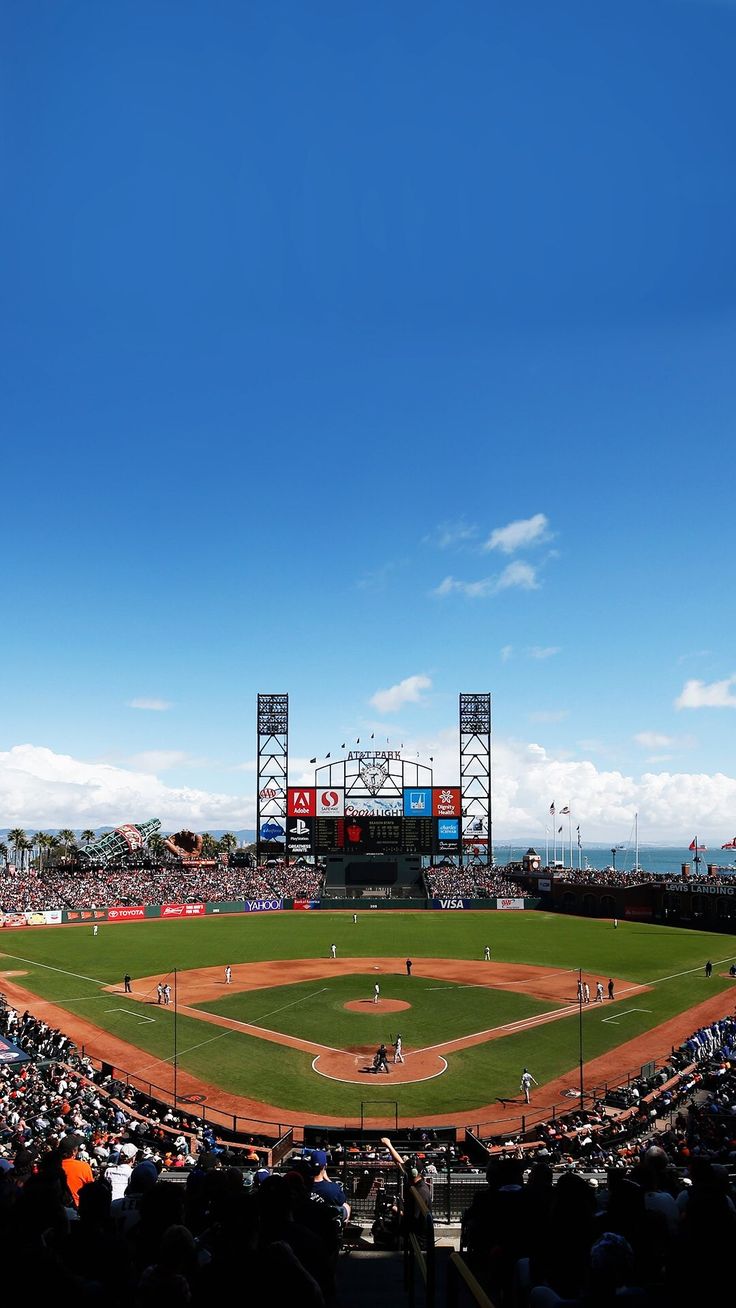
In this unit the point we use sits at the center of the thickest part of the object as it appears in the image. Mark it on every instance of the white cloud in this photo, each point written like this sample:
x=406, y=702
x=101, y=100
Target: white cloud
x=40, y=788
x=153, y=705
x=527, y=777
x=470, y=589
x=449, y=534
x=714, y=694
x=506, y=653
x=543, y=651
x=408, y=691
x=653, y=740
x=519, y=535
x=518, y=574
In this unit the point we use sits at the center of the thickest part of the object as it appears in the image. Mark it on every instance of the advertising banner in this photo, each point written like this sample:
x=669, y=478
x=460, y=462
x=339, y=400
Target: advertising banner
x=448, y=829
x=84, y=915
x=304, y=904
x=300, y=801
x=452, y=903
x=10, y=1053
x=271, y=831
x=372, y=806
x=132, y=836
x=515, y=905
x=38, y=917
x=446, y=802
x=418, y=802
x=331, y=802
x=125, y=913
x=475, y=831
x=299, y=835
x=544, y=883
x=182, y=910
x=262, y=905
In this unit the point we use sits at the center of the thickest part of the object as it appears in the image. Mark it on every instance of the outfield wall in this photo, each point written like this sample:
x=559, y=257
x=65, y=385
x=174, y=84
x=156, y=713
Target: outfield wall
x=174, y=912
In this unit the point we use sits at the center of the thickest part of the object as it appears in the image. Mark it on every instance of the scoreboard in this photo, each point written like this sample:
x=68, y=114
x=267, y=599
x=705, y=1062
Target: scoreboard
x=422, y=821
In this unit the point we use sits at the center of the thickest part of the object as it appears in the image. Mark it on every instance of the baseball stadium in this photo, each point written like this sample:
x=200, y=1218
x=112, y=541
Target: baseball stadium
x=365, y=988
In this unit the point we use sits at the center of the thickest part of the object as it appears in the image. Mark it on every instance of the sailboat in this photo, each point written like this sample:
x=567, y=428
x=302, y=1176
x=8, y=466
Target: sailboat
x=636, y=867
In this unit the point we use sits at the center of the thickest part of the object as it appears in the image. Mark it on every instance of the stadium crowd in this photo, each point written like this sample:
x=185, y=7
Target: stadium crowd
x=85, y=1199
x=609, y=877
x=471, y=882
x=170, y=882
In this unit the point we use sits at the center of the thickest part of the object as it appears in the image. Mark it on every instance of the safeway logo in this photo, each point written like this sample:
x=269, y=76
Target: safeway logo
x=331, y=803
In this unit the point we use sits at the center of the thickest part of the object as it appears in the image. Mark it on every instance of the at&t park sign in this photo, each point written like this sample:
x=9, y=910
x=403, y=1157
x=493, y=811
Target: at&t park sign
x=358, y=754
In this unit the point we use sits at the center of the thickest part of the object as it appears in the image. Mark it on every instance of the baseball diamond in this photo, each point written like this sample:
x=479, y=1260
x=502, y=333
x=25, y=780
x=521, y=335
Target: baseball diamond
x=290, y=1038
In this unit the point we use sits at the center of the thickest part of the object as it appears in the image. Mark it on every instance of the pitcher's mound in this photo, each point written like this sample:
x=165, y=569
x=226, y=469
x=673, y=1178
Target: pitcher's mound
x=383, y=1006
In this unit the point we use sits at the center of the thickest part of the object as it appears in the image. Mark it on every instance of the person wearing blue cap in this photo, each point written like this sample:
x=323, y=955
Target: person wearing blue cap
x=332, y=1191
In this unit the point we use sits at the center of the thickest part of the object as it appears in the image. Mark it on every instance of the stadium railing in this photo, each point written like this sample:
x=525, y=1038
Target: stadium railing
x=462, y=1286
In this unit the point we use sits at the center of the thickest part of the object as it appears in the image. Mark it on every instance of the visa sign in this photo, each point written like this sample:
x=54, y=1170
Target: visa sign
x=451, y=903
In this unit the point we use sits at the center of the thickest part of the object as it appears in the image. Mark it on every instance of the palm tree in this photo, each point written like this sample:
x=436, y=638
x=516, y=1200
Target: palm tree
x=39, y=843
x=88, y=837
x=3, y=853
x=17, y=838
x=156, y=845
x=228, y=842
x=209, y=844
x=52, y=843
x=68, y=839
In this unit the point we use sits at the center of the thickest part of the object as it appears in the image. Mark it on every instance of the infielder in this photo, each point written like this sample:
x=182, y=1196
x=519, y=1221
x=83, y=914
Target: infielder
x=333, y=951
x=398, y=1055
x=228, y=975
x=487, y=954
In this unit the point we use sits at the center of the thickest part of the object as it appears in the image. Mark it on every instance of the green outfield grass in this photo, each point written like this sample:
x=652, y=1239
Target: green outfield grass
x=68, y=965
x=315, y=1010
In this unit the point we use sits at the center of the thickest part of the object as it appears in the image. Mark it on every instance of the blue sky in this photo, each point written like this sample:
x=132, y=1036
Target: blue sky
x=304, y=304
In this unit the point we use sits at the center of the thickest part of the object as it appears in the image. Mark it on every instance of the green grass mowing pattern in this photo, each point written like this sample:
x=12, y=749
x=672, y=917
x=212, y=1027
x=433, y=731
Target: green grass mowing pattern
x=315, y=1010
x=283, y=1077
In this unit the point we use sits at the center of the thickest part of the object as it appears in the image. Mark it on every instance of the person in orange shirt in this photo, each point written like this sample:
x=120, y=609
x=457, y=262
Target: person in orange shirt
x=77, y=1172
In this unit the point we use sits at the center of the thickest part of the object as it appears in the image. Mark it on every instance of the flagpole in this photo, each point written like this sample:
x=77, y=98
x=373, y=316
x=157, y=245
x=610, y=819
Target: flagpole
x=546, y=845
x=569, y=821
